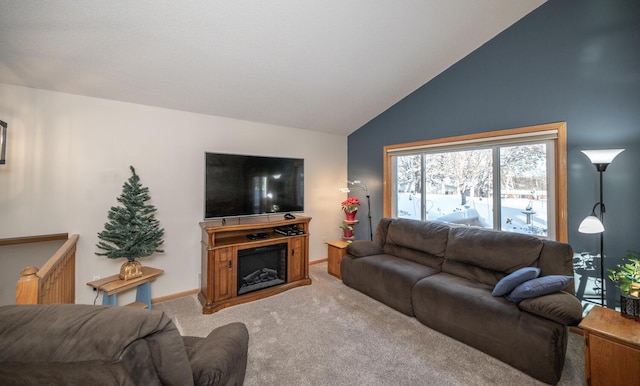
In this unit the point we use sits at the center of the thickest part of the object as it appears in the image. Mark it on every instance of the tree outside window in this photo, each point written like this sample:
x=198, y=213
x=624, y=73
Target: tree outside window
x=457, y=186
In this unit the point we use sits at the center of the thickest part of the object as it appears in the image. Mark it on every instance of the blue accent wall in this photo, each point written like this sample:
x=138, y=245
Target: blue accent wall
x=569, y=60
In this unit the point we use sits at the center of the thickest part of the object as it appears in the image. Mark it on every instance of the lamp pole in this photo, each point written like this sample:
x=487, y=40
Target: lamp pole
x=601, y=169
x=369, y=215
x=362, y=186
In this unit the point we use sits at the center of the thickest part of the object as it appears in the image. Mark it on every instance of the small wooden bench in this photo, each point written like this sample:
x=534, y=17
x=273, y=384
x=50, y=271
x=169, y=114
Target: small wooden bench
x=113, y=285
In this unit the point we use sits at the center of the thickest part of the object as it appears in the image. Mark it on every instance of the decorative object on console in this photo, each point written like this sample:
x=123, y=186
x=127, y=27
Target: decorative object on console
x=627, y=278
x=3, y=142
x=132, y=231
x=592, y=223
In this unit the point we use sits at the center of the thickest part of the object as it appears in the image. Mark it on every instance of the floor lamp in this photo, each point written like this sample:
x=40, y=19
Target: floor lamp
x=3, y=142
x=593, y=223
x=357, y=184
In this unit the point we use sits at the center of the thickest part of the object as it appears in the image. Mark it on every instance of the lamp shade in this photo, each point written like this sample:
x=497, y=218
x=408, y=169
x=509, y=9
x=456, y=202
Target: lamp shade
x=591, y=224
x=602, y=156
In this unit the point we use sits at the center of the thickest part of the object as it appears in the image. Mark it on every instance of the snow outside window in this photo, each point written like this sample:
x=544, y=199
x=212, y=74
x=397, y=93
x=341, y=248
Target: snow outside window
x=505, y=183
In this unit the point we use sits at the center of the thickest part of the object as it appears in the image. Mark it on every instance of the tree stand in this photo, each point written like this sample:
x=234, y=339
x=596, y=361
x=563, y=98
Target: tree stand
x=130, y=270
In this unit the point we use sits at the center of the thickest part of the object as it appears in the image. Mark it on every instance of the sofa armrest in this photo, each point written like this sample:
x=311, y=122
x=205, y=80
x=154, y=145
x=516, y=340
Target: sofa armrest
x=561, y=307
x=221, y=357
x=361, y=248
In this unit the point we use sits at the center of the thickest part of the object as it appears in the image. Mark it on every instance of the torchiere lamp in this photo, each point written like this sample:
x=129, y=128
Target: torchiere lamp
x=594, y=223
x=3, y=142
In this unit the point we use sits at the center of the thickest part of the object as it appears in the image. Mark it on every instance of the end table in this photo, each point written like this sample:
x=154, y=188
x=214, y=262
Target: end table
x=336, y=249
x=611, y=348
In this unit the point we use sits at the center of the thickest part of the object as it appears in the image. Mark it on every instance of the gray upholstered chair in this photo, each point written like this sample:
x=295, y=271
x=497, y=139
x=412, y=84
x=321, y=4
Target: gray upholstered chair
x=67, y=344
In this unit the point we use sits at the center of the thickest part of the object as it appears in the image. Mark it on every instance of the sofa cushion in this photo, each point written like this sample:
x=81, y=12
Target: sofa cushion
x=422, y=242
x=465, y=310
x=538, y=287
x=560, y=307
x=512, y=280
x=388, y=279
x=221, y=357
x=472, y=272
x=425, y=236
x=359, y=248
x=556, y=258
x=498, y=251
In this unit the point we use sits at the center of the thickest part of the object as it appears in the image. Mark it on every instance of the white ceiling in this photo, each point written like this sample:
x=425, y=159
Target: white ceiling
x=326, y=65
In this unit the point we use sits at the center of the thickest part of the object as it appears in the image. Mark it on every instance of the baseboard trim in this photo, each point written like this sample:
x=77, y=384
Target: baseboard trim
x=576, y=330
x=318, y=261
x=174, y=296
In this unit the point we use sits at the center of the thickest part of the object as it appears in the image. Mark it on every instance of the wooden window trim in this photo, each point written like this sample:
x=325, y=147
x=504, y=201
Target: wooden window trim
x=560, y=166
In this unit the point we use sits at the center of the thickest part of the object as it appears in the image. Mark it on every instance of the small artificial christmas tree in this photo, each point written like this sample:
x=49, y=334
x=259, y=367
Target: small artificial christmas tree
x=132, y=231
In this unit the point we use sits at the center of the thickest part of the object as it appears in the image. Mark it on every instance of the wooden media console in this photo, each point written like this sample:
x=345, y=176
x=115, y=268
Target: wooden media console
x=219, y=265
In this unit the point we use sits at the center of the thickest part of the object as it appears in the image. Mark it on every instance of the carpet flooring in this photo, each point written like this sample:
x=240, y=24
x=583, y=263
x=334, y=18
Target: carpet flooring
x=330, y=334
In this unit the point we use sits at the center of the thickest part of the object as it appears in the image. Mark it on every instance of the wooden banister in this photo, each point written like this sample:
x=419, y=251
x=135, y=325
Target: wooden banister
x=34, y=239
x=27, y=287
x=54, y=282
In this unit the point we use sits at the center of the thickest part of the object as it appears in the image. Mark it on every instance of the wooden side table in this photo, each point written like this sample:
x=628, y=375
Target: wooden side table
x=336, y=249
x=113, y=285
x=612, y=348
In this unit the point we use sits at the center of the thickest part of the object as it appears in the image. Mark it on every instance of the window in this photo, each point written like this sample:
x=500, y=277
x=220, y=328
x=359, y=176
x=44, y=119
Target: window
x=511, y=180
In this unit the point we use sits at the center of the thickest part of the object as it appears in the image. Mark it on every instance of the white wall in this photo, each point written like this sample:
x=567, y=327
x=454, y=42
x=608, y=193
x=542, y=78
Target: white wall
x=68, y=156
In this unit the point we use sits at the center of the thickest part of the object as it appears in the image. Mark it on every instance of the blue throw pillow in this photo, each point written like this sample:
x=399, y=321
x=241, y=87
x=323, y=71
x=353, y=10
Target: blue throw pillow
x=537, y=287
x=514, y=279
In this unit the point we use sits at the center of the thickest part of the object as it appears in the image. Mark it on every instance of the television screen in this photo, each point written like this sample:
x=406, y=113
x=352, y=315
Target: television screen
x=242, y=185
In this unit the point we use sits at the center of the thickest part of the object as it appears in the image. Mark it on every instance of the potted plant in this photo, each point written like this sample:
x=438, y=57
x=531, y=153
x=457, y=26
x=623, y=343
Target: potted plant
x=347, y=231
x=350, y=207
x=627, y=278
x=132, y=231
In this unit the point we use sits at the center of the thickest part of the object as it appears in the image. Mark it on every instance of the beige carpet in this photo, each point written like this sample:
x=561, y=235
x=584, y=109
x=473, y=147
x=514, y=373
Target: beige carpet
x=330, y=334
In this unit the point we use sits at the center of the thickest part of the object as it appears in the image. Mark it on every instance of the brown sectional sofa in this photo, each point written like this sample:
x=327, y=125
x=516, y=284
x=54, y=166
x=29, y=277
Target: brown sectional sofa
x=444, y=275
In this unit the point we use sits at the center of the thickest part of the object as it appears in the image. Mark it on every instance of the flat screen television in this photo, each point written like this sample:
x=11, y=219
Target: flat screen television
x=244, y=185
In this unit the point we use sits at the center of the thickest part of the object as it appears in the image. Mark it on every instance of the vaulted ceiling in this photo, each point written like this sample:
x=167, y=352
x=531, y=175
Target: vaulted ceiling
x=326, y=65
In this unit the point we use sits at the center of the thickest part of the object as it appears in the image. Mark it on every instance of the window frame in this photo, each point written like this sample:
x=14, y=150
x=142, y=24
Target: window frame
x=491, y=137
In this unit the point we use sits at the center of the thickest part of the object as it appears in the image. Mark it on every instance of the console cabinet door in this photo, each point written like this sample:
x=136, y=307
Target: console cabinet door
x=223, y=268
x=610, y=363
x=296, y=259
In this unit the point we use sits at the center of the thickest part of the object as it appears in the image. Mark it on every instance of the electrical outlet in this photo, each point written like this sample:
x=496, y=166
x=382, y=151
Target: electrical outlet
x=95, y=277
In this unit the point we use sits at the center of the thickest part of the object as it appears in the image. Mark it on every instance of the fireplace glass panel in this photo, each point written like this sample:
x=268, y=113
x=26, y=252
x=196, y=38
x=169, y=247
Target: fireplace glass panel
x=262, y=267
